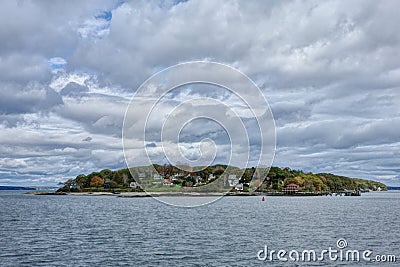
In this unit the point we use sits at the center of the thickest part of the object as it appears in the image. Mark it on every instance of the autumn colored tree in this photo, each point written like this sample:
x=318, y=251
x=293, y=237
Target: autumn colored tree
x=96, y=181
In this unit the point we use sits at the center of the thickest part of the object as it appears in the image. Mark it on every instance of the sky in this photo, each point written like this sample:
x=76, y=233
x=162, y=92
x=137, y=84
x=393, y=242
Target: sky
x=328, y=69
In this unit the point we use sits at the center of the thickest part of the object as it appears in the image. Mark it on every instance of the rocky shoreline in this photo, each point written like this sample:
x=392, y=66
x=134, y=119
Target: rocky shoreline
x=196, y=194
x=147, y=194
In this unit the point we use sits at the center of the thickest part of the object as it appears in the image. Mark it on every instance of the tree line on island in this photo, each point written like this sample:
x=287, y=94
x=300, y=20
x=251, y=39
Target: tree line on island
x=168, y=177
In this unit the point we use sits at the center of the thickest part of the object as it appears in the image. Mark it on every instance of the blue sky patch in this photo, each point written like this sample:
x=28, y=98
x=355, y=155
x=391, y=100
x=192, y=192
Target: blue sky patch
x=106, y=15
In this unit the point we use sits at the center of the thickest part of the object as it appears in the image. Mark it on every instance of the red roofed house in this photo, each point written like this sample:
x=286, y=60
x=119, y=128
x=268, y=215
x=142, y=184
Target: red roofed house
x=167, y=182
x=291, y=188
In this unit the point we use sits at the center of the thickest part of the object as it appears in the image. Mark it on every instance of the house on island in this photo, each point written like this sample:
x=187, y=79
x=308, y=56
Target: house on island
x=232, y=180
x=167, y=182
x=157, y=176
x=133, y=185
x=239, y=187
x=291, y=189
x=175, y=177
x=198, y=180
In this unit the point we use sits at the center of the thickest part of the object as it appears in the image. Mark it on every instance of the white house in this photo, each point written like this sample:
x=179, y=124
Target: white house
x=167, y=182
x=175, y=177
x=239, y=187
x=232, y=180
x=157, y=176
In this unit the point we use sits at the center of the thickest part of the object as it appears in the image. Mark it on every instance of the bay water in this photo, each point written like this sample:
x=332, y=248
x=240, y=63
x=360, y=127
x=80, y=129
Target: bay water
x=68, y=230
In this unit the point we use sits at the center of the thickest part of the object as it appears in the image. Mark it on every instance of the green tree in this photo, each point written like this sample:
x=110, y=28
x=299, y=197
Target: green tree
x=82, y=180
x=117, y=178
x=106, y=174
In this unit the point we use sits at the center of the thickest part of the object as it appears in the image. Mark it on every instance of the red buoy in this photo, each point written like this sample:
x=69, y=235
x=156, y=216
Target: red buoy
x=262, y=199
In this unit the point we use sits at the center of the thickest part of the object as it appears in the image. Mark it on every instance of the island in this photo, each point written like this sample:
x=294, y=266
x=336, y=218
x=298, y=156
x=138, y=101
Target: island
x=216, y=179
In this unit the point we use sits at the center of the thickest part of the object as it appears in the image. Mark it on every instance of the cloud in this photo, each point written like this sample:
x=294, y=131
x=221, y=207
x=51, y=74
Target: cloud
x=87, y=139
x=34, y=97
x=68, y=70
x=73, y=88
x=23, y=68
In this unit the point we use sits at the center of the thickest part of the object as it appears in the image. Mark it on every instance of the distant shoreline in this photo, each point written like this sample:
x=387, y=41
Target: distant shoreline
x=15, y=188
